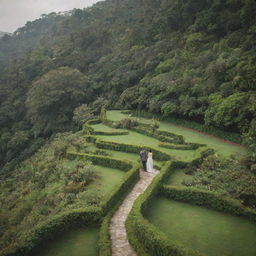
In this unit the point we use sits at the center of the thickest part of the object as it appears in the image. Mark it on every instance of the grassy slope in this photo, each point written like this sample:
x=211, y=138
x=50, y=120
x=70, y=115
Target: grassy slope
x=225, y=149
x=195, y=227
x=110, y=178
x=207, y=231
x=76, y=242
x=140, y=139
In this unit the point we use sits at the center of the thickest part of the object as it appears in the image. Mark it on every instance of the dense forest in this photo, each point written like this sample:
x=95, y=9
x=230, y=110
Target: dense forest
x=189, y=59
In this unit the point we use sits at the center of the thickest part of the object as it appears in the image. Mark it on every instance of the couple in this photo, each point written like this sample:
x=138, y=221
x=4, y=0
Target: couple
x=147, y=160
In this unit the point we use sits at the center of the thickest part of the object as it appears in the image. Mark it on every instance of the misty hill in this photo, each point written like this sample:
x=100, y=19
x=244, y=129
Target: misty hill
x=189, y=59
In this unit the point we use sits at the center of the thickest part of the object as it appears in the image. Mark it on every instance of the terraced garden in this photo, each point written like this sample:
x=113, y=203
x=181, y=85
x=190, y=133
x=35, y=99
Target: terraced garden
x=158, y=224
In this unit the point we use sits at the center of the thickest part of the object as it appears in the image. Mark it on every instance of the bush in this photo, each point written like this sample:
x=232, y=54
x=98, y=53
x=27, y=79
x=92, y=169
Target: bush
x=186, y=146
x=208, y=199
x=52, y=227
x=101, y=160
x=159, y=155
x=231, y=136
x=126, y=123
x=144, y=236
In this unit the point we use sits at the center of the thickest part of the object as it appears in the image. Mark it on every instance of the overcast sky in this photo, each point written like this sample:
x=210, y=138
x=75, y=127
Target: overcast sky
x=15, y=13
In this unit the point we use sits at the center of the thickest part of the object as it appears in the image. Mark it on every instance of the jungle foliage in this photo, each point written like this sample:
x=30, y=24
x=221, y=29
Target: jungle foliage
x=188, y=59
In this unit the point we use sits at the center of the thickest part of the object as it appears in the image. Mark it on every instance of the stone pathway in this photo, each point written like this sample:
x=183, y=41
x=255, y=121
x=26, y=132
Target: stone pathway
x=120, y=243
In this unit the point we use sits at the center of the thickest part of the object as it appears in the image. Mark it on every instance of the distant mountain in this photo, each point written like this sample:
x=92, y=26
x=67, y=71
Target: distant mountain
x=4, y=33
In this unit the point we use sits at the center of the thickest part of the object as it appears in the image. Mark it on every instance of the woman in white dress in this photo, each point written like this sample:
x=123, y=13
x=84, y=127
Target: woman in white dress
x=150, y=162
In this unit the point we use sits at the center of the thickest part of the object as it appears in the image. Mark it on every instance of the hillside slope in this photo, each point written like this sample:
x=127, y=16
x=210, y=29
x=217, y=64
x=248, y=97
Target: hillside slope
x=190, y=59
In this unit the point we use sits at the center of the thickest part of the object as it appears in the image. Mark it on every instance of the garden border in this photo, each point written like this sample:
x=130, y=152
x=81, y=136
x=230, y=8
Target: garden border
x=145, y=238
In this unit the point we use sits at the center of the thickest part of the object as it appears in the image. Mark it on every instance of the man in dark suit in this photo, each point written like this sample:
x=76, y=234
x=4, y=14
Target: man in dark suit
x=143, y=158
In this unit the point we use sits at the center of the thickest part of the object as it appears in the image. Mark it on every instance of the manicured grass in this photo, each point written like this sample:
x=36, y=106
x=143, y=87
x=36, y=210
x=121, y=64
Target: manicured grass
x=210, y=232
x=129, y=156
x=116, y=115
x=79, y=242
x=104, y=128
x=224, y=149
x=141, y=140
x=109, y=178
x=177, y=176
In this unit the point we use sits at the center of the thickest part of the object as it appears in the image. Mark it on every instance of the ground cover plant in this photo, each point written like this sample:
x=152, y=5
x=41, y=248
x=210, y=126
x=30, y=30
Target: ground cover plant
x=207, y=231
x=72, y=243
x=48, y=184
x=71, y=160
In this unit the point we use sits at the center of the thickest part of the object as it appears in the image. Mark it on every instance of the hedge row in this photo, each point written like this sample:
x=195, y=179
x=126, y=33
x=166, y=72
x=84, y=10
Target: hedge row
x=116, y=133
x=104, y=237
x=231, y=136
x=203, y=154
x=87, y=129
x=32, y=241
x=115, y=197
x=101, y=160
x=93, y=121
x=119, y=192
x=186, y=146
x=85, y=216
x=208, y=199
x=160, y=135
x=158, y=155
x=111, y=205
x=144, y=236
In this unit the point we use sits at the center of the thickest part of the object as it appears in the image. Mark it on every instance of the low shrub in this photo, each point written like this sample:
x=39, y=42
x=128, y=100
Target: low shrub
x=160, y=135
x=208, y=199
x=101, y=160
x=203, y=154
x=131, y=177
x=158, y=155
x=116, y=133
x=112, y=203
x=52, y=227
x=231, y=136
x=144, y=236
x=186, y=146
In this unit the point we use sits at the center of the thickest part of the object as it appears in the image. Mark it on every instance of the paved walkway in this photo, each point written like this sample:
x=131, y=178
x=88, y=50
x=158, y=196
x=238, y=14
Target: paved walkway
x=120, y=243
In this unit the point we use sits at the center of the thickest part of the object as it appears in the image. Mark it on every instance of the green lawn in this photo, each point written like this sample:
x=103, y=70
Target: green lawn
x=80, y=242
x=210, y=232
x=224, y=149
x=104, y=128
x=177, y=176
x=116, y=115
x=109, y=178
x=143, y=140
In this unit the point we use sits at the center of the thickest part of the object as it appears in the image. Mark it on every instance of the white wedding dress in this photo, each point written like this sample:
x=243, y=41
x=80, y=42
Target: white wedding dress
x=150, y=163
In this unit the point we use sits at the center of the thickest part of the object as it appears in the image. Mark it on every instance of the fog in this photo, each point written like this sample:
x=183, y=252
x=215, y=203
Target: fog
x=15, y=13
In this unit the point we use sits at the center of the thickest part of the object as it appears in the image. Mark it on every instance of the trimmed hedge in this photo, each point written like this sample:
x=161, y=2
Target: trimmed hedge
x=118, y=193
x=132, y=176
x=87, y=129
x=231, y=136
x=186, y=146
x=158, y=155
x=203, y=154
x=144, y=236
x=208, y=199
x=85, y=216
x=101, y=160
x=54, y=226
x=163, y=136
x=105, y=239
x=117, y=196
x=110, y=133
x=93, y=121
